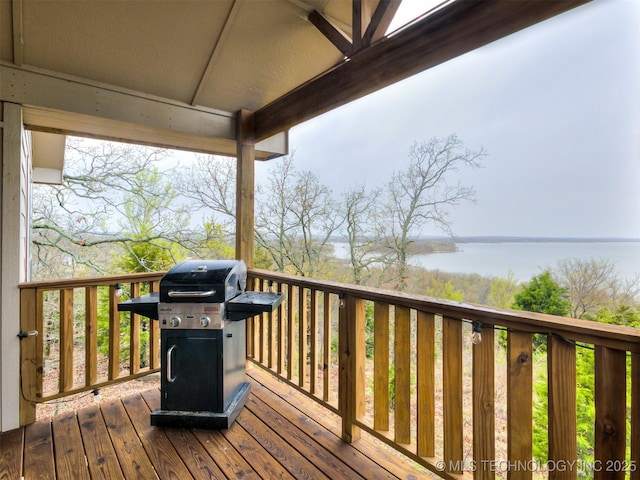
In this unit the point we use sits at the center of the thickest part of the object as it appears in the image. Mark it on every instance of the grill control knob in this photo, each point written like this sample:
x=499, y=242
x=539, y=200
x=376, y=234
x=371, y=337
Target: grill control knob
x=175, y=321
x=204, y=321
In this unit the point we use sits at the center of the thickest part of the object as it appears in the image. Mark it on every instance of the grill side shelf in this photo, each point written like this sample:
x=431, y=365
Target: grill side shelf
x=249, y=304
x=146, y=305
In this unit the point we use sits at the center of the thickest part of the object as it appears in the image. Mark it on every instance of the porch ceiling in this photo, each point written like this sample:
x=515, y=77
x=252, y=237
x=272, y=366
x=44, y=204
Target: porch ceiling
x=180, y=70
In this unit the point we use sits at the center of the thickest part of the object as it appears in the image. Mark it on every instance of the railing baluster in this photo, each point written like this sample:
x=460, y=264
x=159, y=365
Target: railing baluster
x=425, y=346
x=381, y=366
x=66, y=339
x=610, y=399
x=313, y=351
x=259, y=322
x=519, y=403
x=271, y=339
x=91, y=335
x=134, y=334
x=290, y=330
x=352, y=355
x=484, y=432
x=634, y=461
x=402, y=375
x=302, y=337
x=154, y=334
x=281, y=330
x=114, y=335
x=326, y=348
x=561, y=367
x=452, y=394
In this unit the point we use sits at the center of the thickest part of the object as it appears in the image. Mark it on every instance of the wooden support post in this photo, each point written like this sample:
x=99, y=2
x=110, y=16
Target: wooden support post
x=245, y=188
x=352, y=359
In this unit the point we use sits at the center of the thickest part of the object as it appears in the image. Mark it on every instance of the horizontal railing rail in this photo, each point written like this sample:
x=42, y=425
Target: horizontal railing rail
x=405, y=369
x=82, y=341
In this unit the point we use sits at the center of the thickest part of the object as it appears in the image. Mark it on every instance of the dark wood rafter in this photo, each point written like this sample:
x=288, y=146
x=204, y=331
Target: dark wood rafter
x=333, y=33
x=380, y=21
x=446, y=33
x=367, y=27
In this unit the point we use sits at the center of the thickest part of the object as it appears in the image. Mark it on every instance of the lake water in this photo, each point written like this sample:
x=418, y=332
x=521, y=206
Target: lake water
x=526, y=259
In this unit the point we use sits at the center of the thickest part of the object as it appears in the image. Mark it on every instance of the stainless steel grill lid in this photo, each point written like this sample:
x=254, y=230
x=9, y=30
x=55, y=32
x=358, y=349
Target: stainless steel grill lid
x=198, y=281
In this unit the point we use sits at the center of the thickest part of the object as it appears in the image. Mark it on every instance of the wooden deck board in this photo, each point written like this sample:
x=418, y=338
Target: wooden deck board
x=278, y=434
x=101, y=456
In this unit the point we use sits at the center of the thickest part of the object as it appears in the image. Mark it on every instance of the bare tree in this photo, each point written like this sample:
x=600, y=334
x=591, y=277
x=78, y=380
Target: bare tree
x=96, y=211
x=210, y=182
x=295, y=218
x=361, y=229
x=424, y=192
x=594, y=284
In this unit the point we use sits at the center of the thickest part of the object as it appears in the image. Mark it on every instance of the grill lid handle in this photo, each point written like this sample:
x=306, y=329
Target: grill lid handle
x=180, y=294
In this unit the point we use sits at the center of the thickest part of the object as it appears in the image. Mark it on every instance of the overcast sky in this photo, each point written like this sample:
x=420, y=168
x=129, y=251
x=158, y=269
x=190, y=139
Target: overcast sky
x=557, y=107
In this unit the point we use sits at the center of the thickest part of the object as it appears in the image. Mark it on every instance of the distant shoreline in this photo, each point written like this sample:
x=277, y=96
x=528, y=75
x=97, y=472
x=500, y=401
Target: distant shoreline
x=509, y=239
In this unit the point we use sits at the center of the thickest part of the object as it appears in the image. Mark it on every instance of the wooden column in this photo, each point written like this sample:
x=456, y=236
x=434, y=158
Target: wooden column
x=245, y=187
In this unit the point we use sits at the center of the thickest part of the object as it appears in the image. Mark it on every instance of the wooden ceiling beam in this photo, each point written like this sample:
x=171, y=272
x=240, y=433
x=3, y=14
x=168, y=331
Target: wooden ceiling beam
x=451, y=31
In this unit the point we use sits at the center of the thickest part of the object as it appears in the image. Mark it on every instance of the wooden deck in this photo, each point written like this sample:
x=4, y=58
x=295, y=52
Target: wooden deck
x=280, y=434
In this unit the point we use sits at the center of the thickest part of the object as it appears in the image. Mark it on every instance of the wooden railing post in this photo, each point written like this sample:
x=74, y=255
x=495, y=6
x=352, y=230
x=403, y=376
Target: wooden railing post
x=352, y=355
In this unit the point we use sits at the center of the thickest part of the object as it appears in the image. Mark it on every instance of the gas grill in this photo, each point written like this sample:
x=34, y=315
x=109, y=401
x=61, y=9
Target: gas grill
x=202, y=307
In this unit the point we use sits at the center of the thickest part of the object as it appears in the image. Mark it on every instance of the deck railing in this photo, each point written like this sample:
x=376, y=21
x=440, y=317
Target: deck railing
x=82, y=341
x=399, y=367
x=403, y=369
